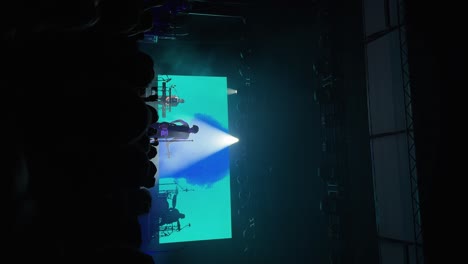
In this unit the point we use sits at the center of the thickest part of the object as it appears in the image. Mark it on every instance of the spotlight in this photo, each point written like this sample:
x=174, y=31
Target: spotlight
x=206, y=142
x=231, y=91
x=229, y=140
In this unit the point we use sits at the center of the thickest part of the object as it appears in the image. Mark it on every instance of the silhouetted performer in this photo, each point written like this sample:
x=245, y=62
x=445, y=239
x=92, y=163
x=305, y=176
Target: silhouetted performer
x=172, y=130
x=173, y=100
x=172, y=216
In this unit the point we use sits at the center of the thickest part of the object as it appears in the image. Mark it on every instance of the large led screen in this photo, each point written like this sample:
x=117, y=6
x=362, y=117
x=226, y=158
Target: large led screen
x=192, y=199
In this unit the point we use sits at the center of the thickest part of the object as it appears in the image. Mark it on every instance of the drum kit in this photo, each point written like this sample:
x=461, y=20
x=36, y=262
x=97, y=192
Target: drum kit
x=167, y=200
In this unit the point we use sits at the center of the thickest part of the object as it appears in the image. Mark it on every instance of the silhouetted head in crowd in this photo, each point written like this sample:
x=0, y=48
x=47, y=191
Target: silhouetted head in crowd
x=154, y=114
x=132, y=118
x=150, y=181
x=144, y=143
x=152, y=153
x=154, y=140
x=130, y=167
x=144, y=201
x=144, y=70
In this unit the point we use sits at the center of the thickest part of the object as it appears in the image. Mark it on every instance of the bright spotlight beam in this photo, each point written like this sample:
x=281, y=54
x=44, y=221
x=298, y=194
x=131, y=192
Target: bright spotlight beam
x=229, y=140
x=231, y=91
x=206, y=142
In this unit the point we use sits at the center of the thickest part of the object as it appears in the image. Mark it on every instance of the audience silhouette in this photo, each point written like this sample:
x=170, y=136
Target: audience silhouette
x=78, y=151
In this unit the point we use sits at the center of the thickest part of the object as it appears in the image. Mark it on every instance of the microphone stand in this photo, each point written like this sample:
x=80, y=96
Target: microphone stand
x=175, y=140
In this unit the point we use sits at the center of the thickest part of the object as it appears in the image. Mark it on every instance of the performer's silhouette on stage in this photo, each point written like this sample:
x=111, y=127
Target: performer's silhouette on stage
x=166, y=101
x=173, y=101
x=170, y=132
x=172, y=216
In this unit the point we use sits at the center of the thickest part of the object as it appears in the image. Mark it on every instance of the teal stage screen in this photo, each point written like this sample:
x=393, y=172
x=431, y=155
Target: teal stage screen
x=193, y=173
